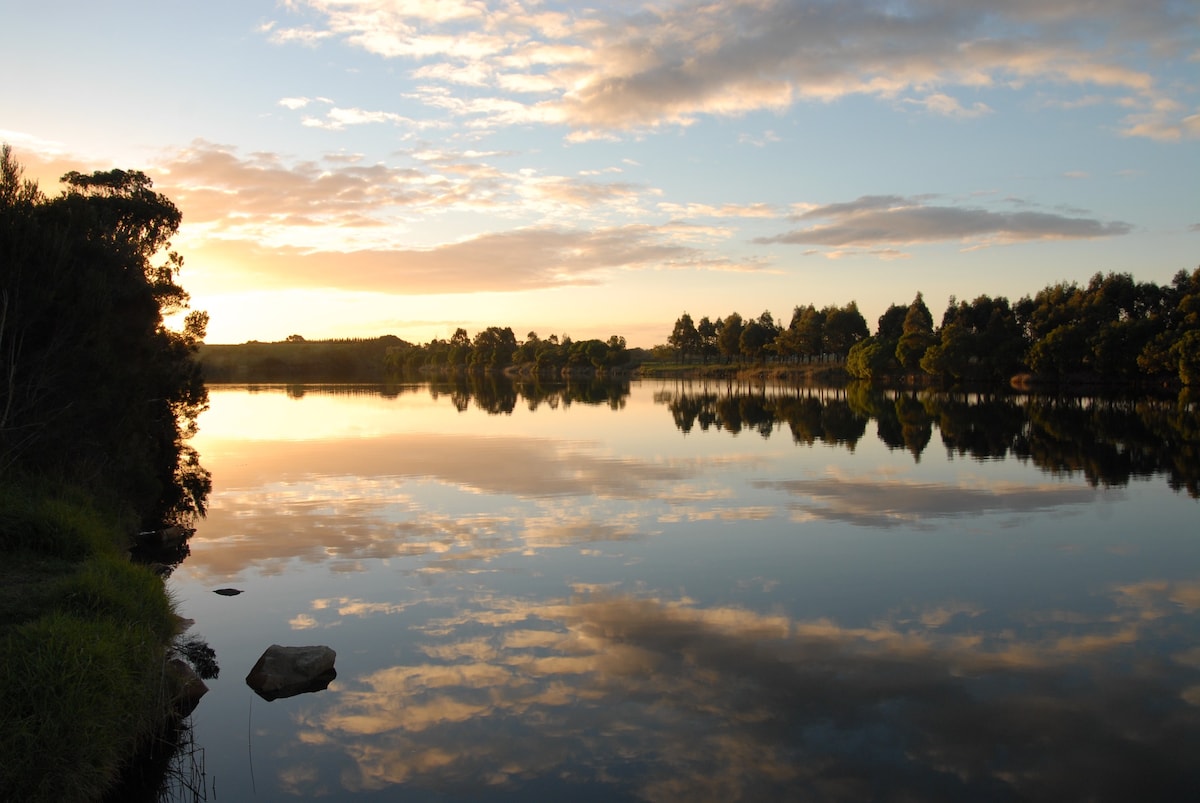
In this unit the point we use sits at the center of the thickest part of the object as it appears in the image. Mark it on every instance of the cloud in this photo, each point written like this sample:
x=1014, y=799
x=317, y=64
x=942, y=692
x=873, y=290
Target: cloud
x=888, y=220
x=946, y=106
x=337, y=119
x=669, y=63
x=342, y=222
x=522, y=259
x=757, y=210
x=260, y=220
x=760, y=140
x=214, y=183
x=294, y=103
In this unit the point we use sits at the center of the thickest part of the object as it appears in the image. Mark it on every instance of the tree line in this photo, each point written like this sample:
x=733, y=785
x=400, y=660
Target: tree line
x=299, y=360
x=1112, y=329
x=827, y=334
x=496, y=348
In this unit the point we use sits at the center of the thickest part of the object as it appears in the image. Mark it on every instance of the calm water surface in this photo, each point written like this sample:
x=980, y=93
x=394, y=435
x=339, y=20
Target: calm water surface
x=678, y=592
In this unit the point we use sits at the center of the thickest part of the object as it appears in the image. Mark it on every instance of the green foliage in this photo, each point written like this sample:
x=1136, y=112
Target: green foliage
x=729, y=341
x=891, y=322
x=63, y=522
x=113, y=588
x=980, y=340
x=299, y=360
x=496, y=349
x=684, y=337
x=1111, y=330
x=97, y=398
x=493, y=348
x=1186, y=351
x=872, y=358
x=84, y=635
x=94, y=387
x=844, y=326
x=77, y=694
x=916, y=335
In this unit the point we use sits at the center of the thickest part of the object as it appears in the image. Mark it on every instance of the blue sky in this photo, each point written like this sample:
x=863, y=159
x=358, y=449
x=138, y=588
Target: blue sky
x=361, y=167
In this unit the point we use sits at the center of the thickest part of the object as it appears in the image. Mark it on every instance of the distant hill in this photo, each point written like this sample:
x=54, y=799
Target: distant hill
x=299, y=360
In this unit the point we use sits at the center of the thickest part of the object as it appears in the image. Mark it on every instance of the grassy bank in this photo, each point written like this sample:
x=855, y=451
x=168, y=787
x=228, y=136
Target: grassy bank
x=84, y=635
x=805, y=373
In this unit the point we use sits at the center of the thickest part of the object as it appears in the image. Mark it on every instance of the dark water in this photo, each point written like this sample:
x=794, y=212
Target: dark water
x=675, y=591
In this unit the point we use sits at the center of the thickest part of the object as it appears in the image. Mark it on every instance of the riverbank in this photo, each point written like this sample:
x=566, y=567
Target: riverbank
x=85, y=640
x=800, y=373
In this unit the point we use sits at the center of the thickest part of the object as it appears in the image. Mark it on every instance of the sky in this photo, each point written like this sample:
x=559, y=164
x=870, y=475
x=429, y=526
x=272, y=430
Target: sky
x=353, y=168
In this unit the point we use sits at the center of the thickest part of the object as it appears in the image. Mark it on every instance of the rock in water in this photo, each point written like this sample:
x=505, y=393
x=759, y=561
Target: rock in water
x=227, y=592
x=288, y=671
x=190, y=687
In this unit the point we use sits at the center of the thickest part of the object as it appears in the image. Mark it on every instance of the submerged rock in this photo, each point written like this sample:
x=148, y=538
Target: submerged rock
x=288, y=671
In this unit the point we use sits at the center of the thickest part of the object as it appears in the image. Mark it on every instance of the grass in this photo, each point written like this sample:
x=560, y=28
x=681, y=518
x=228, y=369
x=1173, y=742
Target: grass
x=57, y=521
x=83, y=640
x=803, y=373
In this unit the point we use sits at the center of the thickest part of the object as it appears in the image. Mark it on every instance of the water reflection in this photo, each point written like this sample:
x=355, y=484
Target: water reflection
x=1108, y=441
x=534, y=599
x=497, y=394
x=327, y=500
x=643, y=697
x=881, y=503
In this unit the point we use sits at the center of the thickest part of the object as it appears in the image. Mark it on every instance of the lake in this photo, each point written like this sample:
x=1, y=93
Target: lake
x=684, y=591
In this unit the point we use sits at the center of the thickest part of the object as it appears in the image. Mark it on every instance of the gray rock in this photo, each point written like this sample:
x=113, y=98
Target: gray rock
x=288, y=671
x=189, y=687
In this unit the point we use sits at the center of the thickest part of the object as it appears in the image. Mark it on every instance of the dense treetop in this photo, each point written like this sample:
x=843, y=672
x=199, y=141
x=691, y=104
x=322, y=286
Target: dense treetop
x=1111, y=329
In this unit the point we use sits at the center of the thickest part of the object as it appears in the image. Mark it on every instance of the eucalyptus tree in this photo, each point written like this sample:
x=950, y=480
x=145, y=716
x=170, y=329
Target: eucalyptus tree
x=96, y=388
x=684, y=337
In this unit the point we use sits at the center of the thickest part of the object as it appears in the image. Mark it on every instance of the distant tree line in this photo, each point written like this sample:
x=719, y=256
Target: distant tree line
x=496, y=348
x=1112, y=329
x=299, y=360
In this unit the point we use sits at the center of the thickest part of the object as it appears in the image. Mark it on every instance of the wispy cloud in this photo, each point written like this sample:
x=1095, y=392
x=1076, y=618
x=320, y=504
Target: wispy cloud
x=509, y=261
x=947, y=106
x=666, y=64
x=889, y=220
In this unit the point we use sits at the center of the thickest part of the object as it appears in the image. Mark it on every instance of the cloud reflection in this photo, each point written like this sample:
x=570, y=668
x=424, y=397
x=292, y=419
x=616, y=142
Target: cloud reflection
x=318, y=501
x=898, y=503
x=663, y=700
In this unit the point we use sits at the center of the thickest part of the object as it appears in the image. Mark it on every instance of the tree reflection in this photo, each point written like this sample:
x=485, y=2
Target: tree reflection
x=1108, y=441
x=499, y=395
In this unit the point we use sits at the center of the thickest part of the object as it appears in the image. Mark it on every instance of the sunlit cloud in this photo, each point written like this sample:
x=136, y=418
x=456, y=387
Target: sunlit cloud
x=692, y=210
x=523, y=259
x=670, y=63
x=947, y=106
